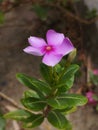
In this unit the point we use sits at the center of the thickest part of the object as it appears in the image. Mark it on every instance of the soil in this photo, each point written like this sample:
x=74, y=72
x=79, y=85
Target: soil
x=20, y=23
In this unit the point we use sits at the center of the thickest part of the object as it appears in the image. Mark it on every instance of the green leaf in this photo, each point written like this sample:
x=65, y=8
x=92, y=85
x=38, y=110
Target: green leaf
x=1, y=17
x=46, y=72
x=30, y=93
x=33, y=121
x=29, y=120
x=34, y=104
x=67, y=86
x=58, y=68
x=65, y=100
x=20, y=115
x=58, y=120
x=40, y=87
x=40, y=11
x=68, y=77
x=68, y=110
x=2, y=122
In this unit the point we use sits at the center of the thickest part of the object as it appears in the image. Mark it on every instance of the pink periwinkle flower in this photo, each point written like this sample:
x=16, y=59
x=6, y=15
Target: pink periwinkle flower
x=90, y=96
x=95, y=71
x=56, y=47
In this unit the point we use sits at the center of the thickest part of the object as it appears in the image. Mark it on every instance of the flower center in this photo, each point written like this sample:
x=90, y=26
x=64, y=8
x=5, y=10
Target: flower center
x=48, y=48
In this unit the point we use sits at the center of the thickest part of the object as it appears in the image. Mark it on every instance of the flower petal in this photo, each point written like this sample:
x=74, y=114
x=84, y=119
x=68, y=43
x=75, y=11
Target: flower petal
x=54, y=38
x=65, y=48
x=33, y=51
x=51, y=59
x=36, y=42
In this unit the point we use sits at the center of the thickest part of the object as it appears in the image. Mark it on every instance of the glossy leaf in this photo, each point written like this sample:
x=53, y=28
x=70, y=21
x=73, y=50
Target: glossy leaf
x=67, y=86
x=40, y=87
x=33, y=121
x=68, y=77
x=68, y=110
x=30, y=93
x=65, y=100
x=46, y=72
x=20, y=115
x=34, y=104
x=58, y=68
x=58, y=120
x=29, y=120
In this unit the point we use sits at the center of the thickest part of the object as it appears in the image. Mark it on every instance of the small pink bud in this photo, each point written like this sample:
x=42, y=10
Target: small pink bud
x=90, y=95
x=95, y=71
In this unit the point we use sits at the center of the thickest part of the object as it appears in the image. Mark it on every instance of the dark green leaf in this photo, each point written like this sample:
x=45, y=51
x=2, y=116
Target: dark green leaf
x=68, y=77
x=2, y=122
x=33, y=121
x=58, y=120
x=40, y=87
x=30, y=120
x=46, y=72
x=30, y=93
x=67, y=86
x=58, y=68
x=34, y=104
x=19, y=115
x=68, y=110
x=65, y=100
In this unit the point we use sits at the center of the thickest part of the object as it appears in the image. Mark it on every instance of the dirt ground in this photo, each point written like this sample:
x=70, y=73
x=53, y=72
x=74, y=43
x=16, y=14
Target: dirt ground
x=20, y=24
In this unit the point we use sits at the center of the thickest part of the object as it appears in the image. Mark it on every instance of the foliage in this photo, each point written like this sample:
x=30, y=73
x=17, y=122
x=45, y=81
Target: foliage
x=49, y=98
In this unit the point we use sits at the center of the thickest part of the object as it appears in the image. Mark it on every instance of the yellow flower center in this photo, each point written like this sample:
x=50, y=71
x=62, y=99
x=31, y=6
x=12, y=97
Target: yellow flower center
x=48, y=48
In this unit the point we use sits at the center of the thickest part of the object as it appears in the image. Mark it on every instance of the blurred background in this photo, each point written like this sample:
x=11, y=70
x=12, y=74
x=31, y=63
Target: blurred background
x=19, y=19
